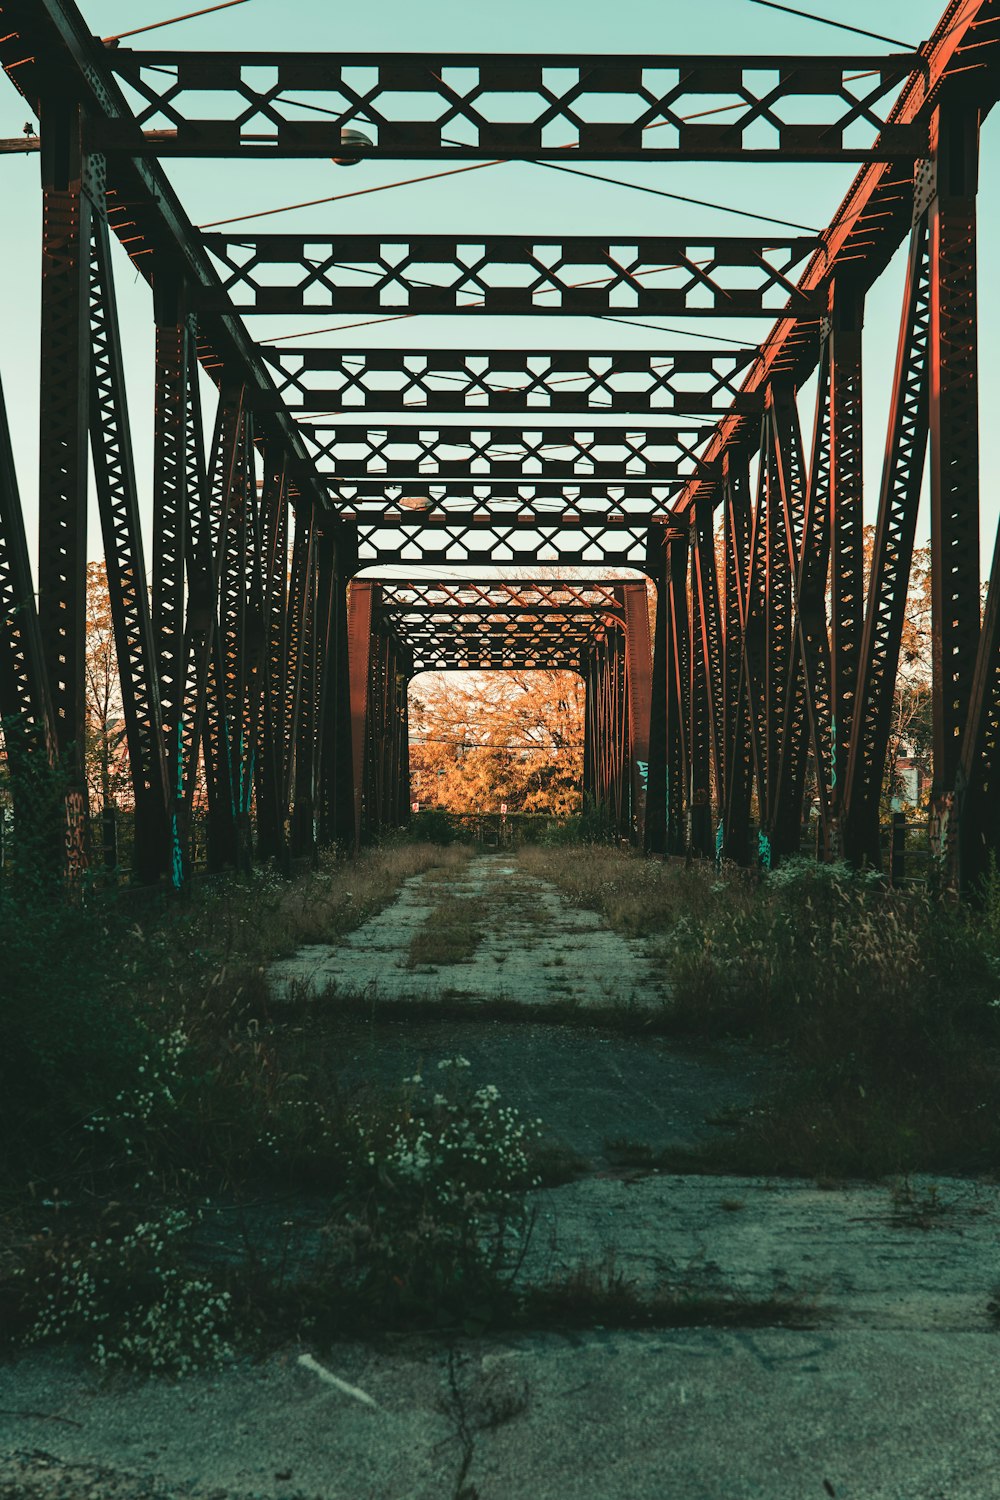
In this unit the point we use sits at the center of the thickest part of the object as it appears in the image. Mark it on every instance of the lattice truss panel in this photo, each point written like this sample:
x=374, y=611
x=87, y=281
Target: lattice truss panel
x=490, y=625
x=543, y=454
x=654, y=107
x=573, y=381
x=575, y=274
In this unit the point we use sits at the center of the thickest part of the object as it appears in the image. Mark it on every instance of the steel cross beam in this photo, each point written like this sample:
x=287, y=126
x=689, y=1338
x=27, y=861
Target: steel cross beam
x=47, y=50
x=613, y=455
x=505, y=274
x=479, y=506
x=598, y=628
x=459, y=106
x=448, y=541
x=491, y=625
x=482, y=382
x=960, y=62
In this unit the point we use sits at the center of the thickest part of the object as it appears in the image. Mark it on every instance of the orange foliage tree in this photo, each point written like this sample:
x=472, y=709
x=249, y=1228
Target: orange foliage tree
x=479, y=739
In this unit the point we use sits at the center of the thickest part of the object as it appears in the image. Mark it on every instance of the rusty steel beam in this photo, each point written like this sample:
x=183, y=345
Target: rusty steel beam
x=459, y=106
x=477, y=382
x=960, y=61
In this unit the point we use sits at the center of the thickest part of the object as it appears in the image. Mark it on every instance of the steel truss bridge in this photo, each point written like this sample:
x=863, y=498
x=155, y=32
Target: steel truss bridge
x=282, y=685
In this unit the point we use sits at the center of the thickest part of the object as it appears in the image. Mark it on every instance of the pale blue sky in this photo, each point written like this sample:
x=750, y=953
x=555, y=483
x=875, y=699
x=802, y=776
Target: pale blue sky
x=512, y=197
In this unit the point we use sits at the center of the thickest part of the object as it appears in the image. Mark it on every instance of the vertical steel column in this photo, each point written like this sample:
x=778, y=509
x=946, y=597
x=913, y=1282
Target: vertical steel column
x=324, y=739
x=25, y=710
x=656, y=780
x=338, y=781
x=705, y=676
x=954, y=432
x=899, y=498
x=807, y=703
x=171, y=503
x=784, y=746
x=272, y=809
x=678, y=686
x=737, y=752
x=359, y=640
x=846, y=531
x=978, y=783
x=62, y=471
x=755, y=632
x=303, y=822
x=638, y=689
x=114, y=474
x=209, y=722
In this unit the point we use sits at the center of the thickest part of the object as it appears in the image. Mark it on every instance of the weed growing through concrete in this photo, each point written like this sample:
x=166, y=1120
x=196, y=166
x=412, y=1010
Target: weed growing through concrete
x=437, y=1222
x=131, y=1300
x=450, y=934
x=883, y=1002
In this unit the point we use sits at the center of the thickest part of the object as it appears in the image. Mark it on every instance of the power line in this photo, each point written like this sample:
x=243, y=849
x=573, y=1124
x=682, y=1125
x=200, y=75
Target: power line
x=722, y=208
x=807, y=15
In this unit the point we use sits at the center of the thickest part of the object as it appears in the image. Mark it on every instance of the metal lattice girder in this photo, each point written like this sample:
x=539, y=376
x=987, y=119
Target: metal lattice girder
x=960, y=62
x=979, y=767
x=683, y=381
x=705, y=677
x=50, y=52
x=488, y=505
x=785, y=481
x=62, y=474
x=787, y=721
x=456, y=542
x=737, y=754
x=118, y=502
x=272, y=810
x=460, y=104
x=505, y=274
x=25, y=710
x=612, y=454
x=807, y=698
x=205, y=725
x=892, y=553
x=488, y=625
x=954, y=433
x=678, y=672
x=172, y=501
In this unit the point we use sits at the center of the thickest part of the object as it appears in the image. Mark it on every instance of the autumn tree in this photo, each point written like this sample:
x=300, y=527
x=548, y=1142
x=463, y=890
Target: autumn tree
x=105, y=751
x=479, y=739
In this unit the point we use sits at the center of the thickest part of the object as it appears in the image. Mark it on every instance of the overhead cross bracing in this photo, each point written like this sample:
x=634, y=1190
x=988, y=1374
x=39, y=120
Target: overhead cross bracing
x=596, y=627
x=774, y=655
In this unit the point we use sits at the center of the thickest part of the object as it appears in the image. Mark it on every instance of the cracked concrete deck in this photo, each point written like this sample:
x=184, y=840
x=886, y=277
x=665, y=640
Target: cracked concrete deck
x=536, y=949
x=888, y=1394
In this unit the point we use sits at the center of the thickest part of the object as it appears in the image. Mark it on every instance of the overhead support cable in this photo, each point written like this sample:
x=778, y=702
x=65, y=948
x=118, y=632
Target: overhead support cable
x=808, y=15
x=158, y=25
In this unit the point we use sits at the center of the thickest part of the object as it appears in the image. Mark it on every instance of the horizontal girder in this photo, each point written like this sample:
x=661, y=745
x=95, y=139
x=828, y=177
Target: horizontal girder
x=494, y=624
x=506, y=274
x=486, y=504
x=459, y=106
x=511, y=454
x=683, y=381
x=498, y=594
x=524, y=544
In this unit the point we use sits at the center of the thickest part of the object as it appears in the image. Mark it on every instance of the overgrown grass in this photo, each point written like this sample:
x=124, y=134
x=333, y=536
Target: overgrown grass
x=450, y=934
x=886, y=1005
x=131, y=1031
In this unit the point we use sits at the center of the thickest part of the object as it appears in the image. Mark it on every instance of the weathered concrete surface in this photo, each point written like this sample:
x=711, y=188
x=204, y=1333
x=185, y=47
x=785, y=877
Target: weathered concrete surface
x=692, y=1414
x=855, y=1252
x=536, y=949
x=890, y=1396
x=589, y=1087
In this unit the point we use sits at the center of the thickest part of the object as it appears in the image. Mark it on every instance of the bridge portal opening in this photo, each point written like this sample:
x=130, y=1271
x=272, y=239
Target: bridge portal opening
x=500, y=743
